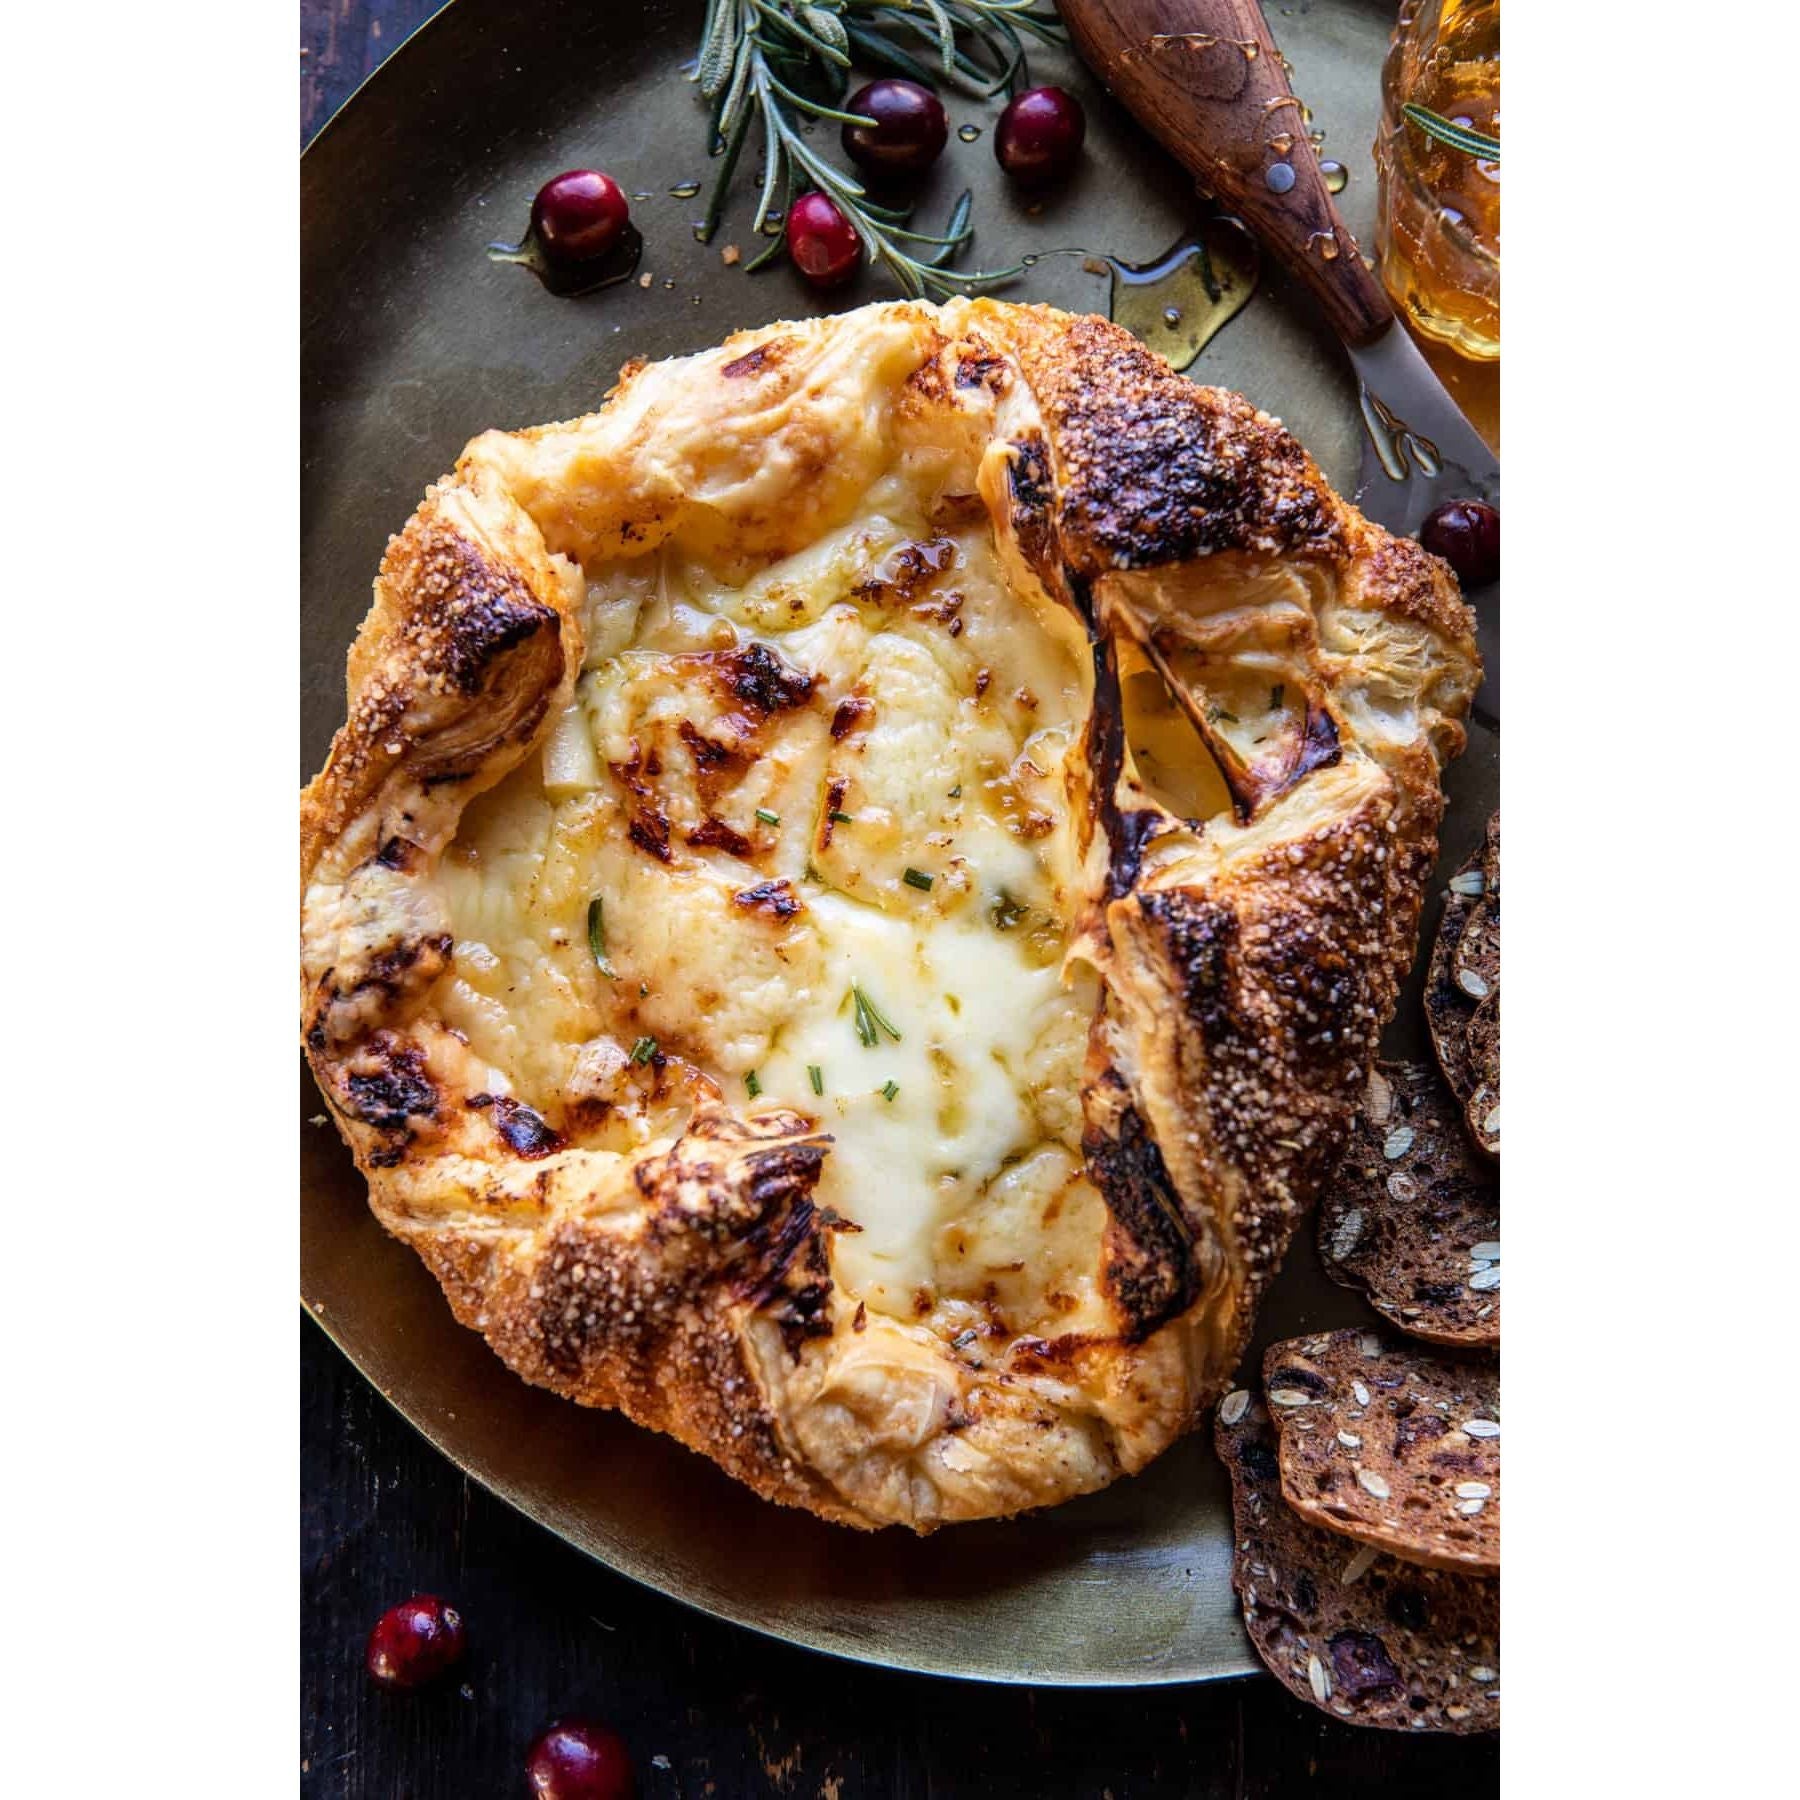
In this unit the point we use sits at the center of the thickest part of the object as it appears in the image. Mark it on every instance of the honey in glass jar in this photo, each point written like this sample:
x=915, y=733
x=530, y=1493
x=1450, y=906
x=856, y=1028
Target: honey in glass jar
x=1438, y=226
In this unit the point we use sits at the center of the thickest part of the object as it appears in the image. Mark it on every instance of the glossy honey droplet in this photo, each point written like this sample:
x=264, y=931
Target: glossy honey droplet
x=685, y=190
x=968, y=133
x=1181, y=301
x=1337, y=177
x=1325, y=243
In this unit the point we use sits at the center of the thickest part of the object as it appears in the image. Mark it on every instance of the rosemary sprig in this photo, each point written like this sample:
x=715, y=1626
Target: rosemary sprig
x=597, y=938
x=1458, y=137
x=784, y=60
x=871, y=1021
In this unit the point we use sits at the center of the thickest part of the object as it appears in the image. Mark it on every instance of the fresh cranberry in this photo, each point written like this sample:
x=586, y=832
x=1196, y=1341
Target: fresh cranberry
x=415, y=1642
x=909, y=133
x=822, y=242
x=575, y=1759
x=578, y=216
x=1466, y=534
x=1039, y=135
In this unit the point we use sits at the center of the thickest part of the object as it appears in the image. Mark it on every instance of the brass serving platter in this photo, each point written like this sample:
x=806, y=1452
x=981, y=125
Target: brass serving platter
x=412, y=342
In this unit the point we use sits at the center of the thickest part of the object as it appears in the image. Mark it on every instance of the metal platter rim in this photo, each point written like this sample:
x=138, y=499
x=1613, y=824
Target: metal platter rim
x=1210, y=1648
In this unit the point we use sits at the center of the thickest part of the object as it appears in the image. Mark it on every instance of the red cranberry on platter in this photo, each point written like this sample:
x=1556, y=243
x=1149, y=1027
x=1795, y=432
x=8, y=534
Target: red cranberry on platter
x=415, y=1642
x=578, y=216
x=1039, y=136
x=575, y=1759
x=1466, y=534
x=909, y=133
x=821, y=240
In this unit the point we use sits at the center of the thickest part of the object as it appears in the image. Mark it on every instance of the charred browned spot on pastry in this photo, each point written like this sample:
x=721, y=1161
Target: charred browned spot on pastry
x=849, y=715
x=1201, y=936
x=1043, y=1356
x=1127, y=830
x=650, y=832
x=835, y=790
x=907, y=570
x=475, y=609
x=1155, y=470
x=409, y=965
x=715, y=834
x=1319, y=748
x=753, y=362
x=981, y=369
x=526, y=1132
x=776, y=898
x=1150, y=1263
x=399, y=854
x=1031, y=493
x=785, y=1272
x=386, y=1084
x=761, y=680
x=1253, y=785
x=707, y=754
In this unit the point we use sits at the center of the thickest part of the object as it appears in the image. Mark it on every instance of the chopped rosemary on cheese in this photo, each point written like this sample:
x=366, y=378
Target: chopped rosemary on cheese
x=597, y=938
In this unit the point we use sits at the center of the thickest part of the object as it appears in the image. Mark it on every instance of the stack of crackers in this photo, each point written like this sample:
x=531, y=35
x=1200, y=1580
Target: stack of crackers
x=1366, y=1476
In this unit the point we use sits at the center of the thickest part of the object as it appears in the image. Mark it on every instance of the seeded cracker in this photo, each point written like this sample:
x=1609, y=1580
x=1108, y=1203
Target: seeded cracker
x=1391, y=1444
x=1483, y=1107
x=1397, y=1646
x=1410, y=1205
x=1448, y=1007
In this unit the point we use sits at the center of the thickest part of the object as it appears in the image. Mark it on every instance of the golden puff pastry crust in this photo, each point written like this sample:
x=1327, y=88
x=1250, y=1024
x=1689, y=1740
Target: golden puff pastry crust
x=859, y=887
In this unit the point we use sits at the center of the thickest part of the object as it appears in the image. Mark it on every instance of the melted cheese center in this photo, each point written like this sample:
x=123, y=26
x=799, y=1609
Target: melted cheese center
x=838, y=776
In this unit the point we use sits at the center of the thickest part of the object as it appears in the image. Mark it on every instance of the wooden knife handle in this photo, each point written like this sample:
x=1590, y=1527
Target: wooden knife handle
x=1204, y=77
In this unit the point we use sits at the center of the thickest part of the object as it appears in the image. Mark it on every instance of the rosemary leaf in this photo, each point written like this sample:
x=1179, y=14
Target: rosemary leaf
x=826, y=26
x=719, y=47
x=816, y=1076
x=753, y=1084
x=1458, y=137
x=807, y=29
x=644, y=1050
x=876, y=50
x=888, y=1092
x=871, y=1021
x=917, y=878
x=597, y=938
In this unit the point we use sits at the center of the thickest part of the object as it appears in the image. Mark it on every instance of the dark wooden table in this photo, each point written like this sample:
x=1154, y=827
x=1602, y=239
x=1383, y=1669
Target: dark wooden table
x=709, y=1710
